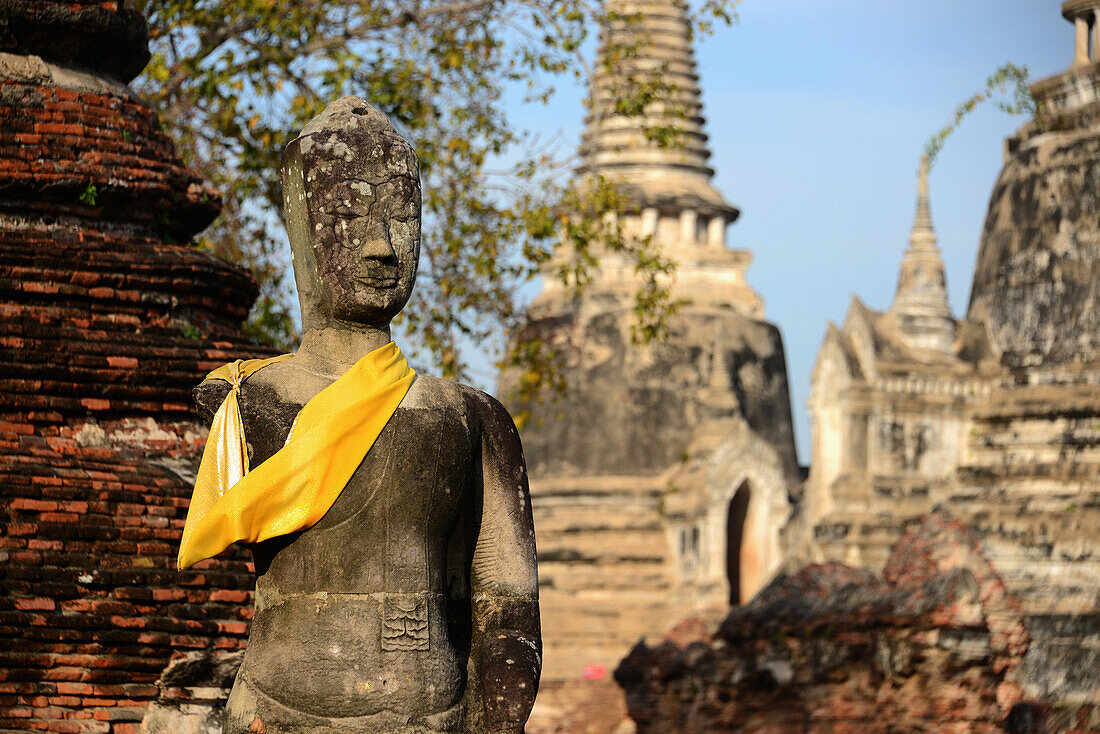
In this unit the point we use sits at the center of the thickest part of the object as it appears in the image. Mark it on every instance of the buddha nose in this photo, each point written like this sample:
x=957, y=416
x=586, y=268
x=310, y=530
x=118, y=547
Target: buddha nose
x=377, y=244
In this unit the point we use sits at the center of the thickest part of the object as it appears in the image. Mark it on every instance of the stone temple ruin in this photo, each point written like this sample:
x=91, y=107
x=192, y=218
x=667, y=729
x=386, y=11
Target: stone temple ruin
x=989, y=620
x=657, y=454
x=993, y=417
x=950, y=515
x=990, y=419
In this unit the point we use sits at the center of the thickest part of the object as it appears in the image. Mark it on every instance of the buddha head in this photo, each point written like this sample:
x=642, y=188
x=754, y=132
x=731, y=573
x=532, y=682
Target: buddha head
x=351, y=195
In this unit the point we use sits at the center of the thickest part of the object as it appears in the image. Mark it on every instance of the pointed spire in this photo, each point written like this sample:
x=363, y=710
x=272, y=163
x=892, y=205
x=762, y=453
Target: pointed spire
x=920, y=303
x=922, y=222
x=665, y=184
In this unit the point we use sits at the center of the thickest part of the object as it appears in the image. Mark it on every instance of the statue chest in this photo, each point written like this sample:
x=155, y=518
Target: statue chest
x=388, y=530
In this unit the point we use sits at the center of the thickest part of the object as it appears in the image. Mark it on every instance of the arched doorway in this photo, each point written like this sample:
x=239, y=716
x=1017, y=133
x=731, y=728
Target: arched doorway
x=735, y=532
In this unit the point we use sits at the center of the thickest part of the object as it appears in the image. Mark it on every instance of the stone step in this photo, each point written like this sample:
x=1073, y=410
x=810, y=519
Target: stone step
x=603, y=547
x=620, y=576
x=548, y=522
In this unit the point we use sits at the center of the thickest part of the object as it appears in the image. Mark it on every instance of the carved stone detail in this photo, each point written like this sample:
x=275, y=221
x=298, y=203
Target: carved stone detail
x=404, y=622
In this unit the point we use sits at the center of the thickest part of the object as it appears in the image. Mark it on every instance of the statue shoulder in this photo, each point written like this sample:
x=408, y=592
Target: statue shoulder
x=211, y=392
x=487, y=411
x=477, y=406
x=208, y=397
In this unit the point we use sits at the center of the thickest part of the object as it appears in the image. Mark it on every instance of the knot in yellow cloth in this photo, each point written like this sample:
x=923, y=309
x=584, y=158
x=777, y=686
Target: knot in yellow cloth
x=295, y=487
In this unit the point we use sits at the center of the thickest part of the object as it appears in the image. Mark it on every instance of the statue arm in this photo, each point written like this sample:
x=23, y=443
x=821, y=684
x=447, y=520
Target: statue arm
x=507, y=642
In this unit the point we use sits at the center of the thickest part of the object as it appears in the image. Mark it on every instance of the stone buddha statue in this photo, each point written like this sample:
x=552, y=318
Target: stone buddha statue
x=412, y=605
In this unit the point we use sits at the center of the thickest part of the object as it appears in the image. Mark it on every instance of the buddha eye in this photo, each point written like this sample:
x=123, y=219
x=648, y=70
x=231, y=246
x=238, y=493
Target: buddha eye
x=348, y=208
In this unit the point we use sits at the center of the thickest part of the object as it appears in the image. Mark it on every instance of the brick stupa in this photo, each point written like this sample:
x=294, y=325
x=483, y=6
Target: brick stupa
x=109, y=317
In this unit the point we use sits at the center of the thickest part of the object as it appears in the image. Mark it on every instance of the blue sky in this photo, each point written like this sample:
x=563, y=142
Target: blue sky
x=817, y=114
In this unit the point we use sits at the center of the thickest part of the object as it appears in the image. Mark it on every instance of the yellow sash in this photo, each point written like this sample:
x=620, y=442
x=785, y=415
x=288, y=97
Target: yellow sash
x=294, y=488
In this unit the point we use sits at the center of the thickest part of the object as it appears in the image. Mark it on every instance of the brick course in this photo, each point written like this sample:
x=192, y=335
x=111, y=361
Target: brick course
x=108, y=317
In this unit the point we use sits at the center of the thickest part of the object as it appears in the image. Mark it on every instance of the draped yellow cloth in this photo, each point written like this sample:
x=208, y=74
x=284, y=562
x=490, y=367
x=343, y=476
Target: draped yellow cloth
x=295, y=487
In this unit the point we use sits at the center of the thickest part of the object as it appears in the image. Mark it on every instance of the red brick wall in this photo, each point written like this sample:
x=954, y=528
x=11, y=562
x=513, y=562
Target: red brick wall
x=92, y=608
x=107, y=319
x=94, y=155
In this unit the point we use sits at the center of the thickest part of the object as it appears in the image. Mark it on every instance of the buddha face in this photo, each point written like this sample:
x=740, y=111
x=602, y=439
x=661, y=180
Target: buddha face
x=363, y=199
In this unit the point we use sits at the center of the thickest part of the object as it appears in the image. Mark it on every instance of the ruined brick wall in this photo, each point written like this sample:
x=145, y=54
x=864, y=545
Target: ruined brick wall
x=932, y=645
x=108, y=317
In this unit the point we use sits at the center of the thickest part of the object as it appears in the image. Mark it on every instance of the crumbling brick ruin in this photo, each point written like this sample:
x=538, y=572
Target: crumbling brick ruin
x=109, y=317
x=931, y=644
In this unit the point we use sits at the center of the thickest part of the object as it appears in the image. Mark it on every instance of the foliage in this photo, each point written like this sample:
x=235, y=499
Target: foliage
x=89, y=195
x=235, y=80
x=1000, y=81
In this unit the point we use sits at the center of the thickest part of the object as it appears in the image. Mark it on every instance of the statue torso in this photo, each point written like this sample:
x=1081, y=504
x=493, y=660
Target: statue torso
x=352, y=615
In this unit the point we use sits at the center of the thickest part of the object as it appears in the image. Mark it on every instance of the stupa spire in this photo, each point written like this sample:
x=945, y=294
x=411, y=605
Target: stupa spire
x=920, y=303
x=923, y=233
x=648, y=41
x=657, y=155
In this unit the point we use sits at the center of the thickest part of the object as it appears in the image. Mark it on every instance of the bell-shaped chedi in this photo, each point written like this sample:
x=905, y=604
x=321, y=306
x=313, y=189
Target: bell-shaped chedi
x=661, y=478
x=109, y=318
x=1037, y=280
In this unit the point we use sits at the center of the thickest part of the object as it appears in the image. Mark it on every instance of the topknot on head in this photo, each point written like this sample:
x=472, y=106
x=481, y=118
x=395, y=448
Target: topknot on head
x=348, y=114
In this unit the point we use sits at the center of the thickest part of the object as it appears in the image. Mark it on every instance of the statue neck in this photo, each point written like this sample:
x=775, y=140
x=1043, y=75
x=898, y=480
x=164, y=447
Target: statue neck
x=331, y=351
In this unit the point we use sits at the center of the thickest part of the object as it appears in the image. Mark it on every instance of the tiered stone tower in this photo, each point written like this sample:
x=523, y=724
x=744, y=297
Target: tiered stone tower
x=634, y=473
x=109, y=319
x=670, y=185
x=999, y=425
x=891, y=392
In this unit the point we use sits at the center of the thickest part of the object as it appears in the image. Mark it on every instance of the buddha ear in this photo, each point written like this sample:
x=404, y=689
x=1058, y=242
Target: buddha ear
x=313, y=296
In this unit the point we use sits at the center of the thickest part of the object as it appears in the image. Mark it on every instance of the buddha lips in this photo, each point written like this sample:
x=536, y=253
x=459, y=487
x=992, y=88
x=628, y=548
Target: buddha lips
x=295, y=487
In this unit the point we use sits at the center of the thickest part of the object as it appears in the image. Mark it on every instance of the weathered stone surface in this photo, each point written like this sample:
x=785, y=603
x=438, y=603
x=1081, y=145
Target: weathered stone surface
x=412, y=605
x=634, y=409
x=193, y=689
x=1037, y=279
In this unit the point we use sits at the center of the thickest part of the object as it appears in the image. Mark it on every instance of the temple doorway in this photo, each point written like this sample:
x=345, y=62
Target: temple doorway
x=735, y=531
